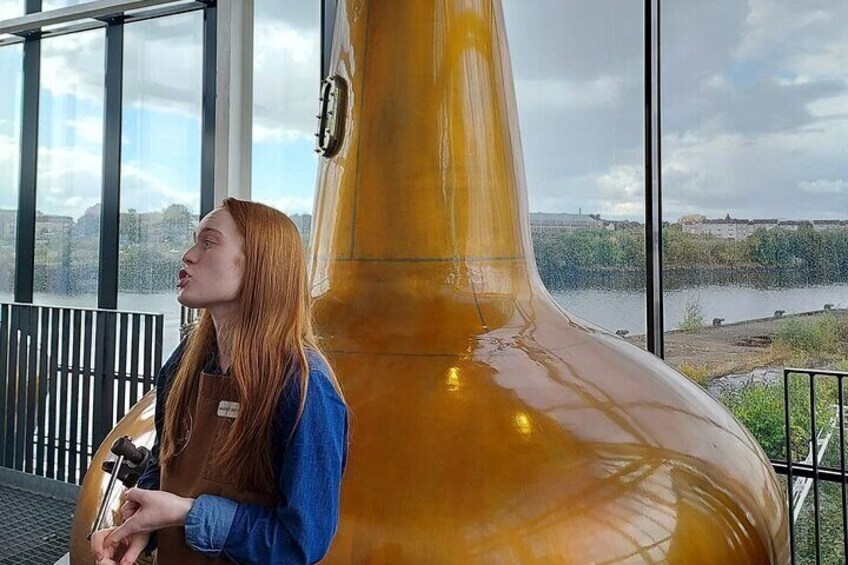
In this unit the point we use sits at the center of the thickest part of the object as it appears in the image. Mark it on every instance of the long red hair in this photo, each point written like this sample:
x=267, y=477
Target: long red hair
x=268, y=343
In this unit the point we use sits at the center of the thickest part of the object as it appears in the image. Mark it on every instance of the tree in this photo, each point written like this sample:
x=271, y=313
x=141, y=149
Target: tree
x=176, y=227
x=130, y=228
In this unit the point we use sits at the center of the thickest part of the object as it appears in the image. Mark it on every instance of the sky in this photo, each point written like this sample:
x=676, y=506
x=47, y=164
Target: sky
x=754, y=114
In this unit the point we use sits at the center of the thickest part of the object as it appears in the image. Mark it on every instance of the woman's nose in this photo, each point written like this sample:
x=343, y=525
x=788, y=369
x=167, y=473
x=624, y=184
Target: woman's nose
x=189, y=257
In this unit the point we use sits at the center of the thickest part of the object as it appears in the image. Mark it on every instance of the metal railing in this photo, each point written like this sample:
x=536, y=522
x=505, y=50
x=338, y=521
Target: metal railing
x=66, y=376
x=813, y=472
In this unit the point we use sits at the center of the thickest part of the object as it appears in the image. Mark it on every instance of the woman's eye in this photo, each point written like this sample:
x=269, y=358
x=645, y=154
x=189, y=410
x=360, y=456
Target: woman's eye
x=207, y=244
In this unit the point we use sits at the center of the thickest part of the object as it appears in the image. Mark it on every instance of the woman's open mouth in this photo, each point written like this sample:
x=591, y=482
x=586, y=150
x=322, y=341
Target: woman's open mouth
x=183, y=278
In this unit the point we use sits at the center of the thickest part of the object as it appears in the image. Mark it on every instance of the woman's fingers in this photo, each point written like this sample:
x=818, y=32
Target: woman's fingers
x=117, y=535
x=137, y=545
x=129, y=508
x=98, y=544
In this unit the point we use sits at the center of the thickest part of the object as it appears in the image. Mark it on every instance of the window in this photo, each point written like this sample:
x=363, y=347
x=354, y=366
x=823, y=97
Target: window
x=578, y=70
x=11, y=9
x=754, y=101
x=160, y=169
x=70, y=149
x=10, y=136
x=56, y=4
x=754, y=128
x=286, y=77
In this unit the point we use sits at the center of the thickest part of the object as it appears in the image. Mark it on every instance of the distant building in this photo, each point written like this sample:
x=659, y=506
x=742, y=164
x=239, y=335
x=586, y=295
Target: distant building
x=739, y=229
x=543, y=222
x=49, y=226
x=692, y=219
x=830, y=225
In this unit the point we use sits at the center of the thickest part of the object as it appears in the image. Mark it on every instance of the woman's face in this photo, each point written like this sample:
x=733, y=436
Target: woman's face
x=214, y=266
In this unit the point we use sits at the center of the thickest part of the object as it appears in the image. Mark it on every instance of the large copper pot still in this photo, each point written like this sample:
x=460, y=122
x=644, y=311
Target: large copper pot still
x=489, y=425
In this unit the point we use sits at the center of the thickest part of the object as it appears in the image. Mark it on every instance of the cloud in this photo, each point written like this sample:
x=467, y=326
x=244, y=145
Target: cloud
x=73, y=64
x=838, y=186
x=266, y=134
x=145, y=191
x=286, y=74
x=755, y=103
x=88, y=129
x=603, y=91
x=292, y=204
x=833, y=106
x=163, y=67
x=9, y=172
x=574, y=41
x=777, y=26
x=767, y=177
x=11, y=9
x=162, y=63
x=619, y=192
x=69, y=180
x=764, y=106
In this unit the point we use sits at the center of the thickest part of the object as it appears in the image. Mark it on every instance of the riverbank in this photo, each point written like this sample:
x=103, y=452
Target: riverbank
x=741, y=347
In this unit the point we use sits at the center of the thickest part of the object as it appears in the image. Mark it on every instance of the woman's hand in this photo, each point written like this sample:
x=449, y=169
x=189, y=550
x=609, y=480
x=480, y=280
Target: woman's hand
x=124, y=553
x=145, y=511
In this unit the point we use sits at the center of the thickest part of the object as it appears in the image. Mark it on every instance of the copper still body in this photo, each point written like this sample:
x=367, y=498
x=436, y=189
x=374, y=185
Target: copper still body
x=488, y=424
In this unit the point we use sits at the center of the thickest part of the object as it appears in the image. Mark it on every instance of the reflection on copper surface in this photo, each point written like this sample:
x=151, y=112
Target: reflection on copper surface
x=453, y=381
x=522, y=423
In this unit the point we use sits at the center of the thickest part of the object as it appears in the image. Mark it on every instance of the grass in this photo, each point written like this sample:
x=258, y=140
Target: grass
x=693, y=317
x=810, y=337
x=761, y=408
x=699, y=374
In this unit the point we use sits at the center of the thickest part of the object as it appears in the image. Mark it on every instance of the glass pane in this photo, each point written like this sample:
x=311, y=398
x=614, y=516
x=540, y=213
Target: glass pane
x=70, y=148
x=755, y=185
x=286, y=76
x=10, y=135
x=148, y=10
x=11, y=9
x=160, y=172
x=580, y=110
x=54, y=4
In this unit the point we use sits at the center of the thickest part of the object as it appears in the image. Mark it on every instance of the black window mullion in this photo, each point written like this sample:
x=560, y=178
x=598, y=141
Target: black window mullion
x=207, y=147
x=653, y=182
x=328, y=24
x=25, y=238
x=107, y=288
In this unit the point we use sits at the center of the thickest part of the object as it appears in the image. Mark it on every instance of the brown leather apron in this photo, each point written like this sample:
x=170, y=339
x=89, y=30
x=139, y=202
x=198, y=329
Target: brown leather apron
x=196, y=470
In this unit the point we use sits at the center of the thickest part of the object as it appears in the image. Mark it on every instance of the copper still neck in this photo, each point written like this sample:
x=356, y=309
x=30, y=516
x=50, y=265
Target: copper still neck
x=427, y=191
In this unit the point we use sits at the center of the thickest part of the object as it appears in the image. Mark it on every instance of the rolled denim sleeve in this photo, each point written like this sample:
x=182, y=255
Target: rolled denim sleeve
x=208, y=524
x=309, y=472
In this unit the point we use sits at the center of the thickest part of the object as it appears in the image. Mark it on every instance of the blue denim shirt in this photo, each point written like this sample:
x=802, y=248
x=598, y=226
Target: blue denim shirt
x=308, y=470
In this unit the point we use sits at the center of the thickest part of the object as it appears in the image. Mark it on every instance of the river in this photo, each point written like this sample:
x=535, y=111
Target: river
x=611, y=309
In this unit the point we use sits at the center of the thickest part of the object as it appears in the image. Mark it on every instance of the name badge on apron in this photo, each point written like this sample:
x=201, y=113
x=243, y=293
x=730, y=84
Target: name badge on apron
x=228, y=409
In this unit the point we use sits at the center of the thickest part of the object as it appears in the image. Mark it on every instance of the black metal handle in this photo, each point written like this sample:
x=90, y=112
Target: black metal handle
x=123, y=446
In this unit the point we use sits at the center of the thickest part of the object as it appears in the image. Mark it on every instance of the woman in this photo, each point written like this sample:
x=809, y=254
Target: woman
x=251, y=425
